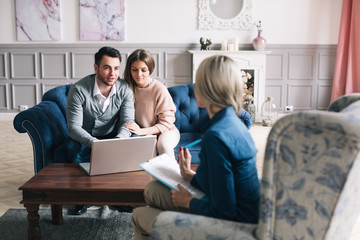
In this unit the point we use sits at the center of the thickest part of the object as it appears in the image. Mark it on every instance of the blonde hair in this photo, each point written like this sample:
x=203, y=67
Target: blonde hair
x=218, y=81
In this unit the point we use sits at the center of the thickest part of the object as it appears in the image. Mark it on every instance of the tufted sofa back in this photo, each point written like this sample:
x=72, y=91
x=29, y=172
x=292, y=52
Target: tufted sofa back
x=59, y=96
x=188, y=116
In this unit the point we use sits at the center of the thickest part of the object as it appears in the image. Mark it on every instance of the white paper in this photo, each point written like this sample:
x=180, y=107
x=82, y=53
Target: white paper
x=167, y=171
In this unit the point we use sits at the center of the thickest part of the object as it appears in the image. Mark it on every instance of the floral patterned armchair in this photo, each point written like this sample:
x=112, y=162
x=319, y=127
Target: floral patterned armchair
x=343, y=101
x=309, y=189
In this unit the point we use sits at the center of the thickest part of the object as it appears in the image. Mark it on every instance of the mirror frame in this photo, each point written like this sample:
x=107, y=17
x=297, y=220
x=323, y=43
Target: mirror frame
x=209, y=21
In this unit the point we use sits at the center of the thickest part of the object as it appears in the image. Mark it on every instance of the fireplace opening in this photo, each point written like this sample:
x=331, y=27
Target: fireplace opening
x=248, y=91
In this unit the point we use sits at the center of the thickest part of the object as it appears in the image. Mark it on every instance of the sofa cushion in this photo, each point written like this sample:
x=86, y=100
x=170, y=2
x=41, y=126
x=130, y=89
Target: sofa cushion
x=67, y=151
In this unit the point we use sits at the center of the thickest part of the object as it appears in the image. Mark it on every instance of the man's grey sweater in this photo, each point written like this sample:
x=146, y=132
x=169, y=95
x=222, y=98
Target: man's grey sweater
x=85, y=119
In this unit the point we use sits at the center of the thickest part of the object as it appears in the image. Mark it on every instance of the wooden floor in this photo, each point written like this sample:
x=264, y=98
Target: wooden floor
x=16, y=163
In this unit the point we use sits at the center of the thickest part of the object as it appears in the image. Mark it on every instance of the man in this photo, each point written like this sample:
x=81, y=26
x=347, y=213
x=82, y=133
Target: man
x=98, y=106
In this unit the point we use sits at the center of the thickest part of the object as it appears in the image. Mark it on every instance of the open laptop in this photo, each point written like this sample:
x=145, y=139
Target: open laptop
x=119, y=154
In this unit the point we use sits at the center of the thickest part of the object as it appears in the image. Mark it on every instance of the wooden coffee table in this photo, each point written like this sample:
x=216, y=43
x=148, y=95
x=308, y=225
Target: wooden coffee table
x=67, y=184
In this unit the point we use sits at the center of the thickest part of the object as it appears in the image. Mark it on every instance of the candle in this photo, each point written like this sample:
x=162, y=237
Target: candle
x=224, y=45
x=231, y=47
x=236, y=44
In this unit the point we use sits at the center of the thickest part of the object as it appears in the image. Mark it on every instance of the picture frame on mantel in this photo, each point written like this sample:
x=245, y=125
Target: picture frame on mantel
x=225, y=15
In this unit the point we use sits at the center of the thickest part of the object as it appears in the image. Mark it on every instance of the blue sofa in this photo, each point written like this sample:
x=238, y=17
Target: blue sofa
x=46, y=125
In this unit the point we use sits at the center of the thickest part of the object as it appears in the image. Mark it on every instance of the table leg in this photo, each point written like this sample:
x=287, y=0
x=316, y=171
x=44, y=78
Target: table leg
x=56, y=214
x=33, y=219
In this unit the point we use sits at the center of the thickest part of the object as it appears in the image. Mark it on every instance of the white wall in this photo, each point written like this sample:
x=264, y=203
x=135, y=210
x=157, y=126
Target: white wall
x=175, y=21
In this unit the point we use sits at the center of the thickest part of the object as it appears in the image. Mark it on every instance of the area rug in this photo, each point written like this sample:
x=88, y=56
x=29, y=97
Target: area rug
x=102, y=223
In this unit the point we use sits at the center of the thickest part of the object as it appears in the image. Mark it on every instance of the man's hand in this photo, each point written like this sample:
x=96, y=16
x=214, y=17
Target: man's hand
x=181, y=198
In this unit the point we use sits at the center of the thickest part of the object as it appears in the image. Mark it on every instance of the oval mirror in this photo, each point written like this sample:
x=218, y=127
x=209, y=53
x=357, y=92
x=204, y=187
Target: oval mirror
x=225, y=14
x=226, y=9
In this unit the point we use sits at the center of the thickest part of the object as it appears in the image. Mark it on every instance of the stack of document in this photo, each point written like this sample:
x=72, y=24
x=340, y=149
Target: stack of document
x=167, y=171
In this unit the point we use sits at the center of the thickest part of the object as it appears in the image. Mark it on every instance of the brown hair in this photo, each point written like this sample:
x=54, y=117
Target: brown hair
x=142, y=55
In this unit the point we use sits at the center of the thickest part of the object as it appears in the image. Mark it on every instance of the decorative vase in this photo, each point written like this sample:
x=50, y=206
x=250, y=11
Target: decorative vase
x=250, y=108
x=268, y=112
x=259, y=42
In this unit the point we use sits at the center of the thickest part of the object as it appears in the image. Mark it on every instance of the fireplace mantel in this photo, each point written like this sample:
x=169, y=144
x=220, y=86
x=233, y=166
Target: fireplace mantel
x=247, y=60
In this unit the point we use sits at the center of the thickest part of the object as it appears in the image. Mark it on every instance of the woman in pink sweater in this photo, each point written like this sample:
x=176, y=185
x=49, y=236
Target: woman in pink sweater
x=154, y=106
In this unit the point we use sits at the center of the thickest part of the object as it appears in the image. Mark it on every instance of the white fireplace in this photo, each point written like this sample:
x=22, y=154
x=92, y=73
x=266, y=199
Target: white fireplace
x=247, y=60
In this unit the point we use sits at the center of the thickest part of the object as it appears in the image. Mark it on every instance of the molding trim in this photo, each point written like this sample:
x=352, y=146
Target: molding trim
x=174, y=67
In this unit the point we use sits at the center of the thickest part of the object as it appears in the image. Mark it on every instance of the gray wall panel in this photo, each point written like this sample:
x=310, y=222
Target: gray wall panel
x=4, y=97
x=177, y=68
x=47, y=86
x=177, y=65
x=301, y=66
x=3, y=67
x=275, y=66
x=124, y=57
x=326, y=66
x=275, y=91
x=300, y=96
x=157, y=57
x=82, y=64
x=24, y=94
x=24, y=65
x=54, y=65
x=323, y=96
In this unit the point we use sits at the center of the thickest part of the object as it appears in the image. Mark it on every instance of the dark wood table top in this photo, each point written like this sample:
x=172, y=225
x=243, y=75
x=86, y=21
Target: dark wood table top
x=67, y=183
x=70, y=176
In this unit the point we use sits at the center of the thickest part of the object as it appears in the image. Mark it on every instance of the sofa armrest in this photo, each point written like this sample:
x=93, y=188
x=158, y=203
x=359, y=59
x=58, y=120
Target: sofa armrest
x=175, y=225
x=46, y=126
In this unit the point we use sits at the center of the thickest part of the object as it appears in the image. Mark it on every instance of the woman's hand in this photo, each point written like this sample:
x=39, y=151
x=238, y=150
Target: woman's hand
x=134, y=128
x=184, y=160
x=181, y=198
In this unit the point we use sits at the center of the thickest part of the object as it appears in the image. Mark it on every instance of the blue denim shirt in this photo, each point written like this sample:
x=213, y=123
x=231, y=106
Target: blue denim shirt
x=227, y=171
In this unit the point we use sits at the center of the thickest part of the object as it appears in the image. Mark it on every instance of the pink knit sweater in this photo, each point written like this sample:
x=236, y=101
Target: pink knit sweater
x=154, y=106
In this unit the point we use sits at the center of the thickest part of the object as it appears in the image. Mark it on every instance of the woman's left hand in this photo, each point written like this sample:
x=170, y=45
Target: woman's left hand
x=134, y=128
x=184, y=160
x=182, y=197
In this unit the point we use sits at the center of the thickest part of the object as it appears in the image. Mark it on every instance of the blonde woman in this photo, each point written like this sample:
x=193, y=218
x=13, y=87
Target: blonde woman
x=227, y=172
x=154, y=106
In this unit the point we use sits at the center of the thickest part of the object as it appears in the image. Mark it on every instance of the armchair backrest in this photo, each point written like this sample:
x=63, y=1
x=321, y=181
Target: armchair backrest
x=342, y=102
x=309, y=188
